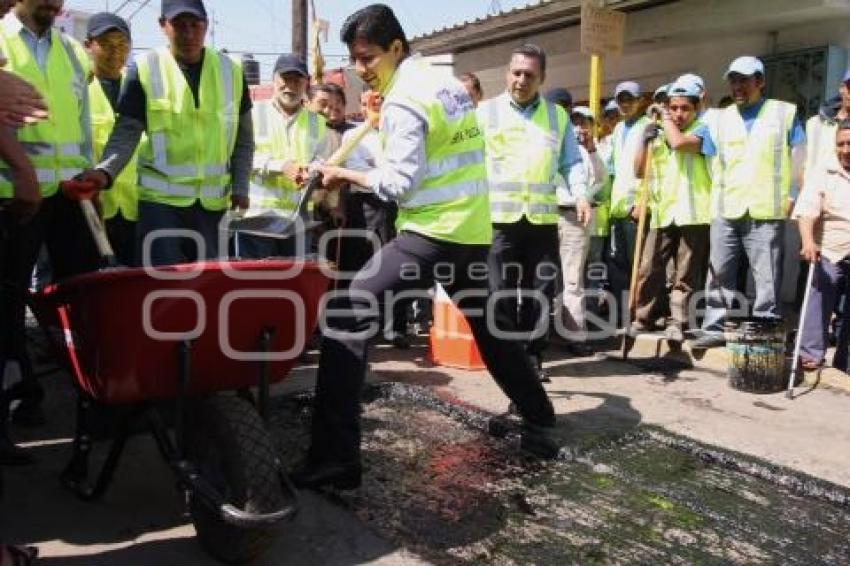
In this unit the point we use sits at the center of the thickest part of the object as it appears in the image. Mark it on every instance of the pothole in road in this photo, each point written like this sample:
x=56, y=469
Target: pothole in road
x=438, y=484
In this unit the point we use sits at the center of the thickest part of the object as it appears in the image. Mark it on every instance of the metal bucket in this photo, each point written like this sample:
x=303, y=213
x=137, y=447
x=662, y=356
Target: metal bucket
x=756, y=349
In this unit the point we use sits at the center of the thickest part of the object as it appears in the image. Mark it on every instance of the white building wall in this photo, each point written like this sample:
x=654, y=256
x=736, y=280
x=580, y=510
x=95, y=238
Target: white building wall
x=661, y=43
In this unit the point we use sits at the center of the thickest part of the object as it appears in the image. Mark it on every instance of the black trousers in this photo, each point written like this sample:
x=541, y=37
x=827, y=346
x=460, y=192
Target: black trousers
x=122, y=236
x=365, y=211
x=411, y=262
x=60, y=226
x=525, y=256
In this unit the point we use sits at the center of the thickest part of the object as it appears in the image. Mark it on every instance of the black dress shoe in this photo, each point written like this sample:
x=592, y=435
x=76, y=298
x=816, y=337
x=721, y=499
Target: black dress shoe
x=400, y=341
x=312, y=475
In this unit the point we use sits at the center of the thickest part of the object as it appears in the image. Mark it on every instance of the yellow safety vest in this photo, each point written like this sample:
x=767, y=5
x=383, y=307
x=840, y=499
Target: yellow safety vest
x=186, y=156
x=680, y=186
x=60, y=146
x=450, y=203
x=274, y=141
x=752, y=172
x=522, y=159
x=123, y=195
x=624, y=149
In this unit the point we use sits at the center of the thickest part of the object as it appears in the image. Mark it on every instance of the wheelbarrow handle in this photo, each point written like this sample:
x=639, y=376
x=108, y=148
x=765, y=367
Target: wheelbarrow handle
x=98, y=232
x=93, y=221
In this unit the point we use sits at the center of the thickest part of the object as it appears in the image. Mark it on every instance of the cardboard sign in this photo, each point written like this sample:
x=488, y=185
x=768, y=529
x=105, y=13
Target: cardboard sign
x=602, y=30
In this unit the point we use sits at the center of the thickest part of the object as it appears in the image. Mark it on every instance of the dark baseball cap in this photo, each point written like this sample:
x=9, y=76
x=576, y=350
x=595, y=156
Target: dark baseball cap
x=559, y=96
x=290, y=63
x=173, y=8
x=103, y=22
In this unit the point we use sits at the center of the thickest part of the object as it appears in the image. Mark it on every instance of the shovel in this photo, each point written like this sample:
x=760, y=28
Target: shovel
x=643, y=202
x=299, y=220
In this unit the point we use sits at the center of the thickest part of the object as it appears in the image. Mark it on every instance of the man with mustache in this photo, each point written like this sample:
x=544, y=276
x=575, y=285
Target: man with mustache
x=195, y=163
x=289, y=137
x=761, y=148
x=823, y=211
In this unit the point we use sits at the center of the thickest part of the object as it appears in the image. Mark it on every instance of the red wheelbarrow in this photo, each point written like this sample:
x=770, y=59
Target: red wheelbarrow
x=188, y=352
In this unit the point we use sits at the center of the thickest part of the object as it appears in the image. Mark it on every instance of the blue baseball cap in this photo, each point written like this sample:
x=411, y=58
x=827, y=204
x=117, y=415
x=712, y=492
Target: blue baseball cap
x=846, y=77
x=103, y=22
x=684, y=88
x=173, y=8
x=559, y=96
x=290, y=63
x=747, y=66
x=628, y=87
x=662, y=90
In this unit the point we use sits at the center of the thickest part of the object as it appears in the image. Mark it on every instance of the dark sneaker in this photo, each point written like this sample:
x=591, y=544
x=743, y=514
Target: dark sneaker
x=401, y=341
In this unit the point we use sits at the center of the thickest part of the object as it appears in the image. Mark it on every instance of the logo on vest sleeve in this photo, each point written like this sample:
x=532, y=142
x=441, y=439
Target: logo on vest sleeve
x=455, y=104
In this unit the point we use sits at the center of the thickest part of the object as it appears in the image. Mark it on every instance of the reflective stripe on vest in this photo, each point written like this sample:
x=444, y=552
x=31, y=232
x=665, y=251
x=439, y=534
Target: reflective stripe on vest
x=754, y=175
x=447, y=193
x=179, y=190
x=522, y=160
x=45, y=176
x=517, y=207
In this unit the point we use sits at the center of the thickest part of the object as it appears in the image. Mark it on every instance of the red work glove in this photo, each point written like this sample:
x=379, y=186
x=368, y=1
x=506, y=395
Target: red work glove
x=78, y=190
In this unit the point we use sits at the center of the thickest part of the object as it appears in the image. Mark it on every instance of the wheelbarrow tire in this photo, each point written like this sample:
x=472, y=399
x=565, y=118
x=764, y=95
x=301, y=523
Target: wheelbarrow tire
x=233, y=450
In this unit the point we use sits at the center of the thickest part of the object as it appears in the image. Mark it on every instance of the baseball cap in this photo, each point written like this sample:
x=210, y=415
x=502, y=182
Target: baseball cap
x=290, y=63
x=103, y=22
x=684, y=88
x=611, y=107
x=846, y=76
x=583, y=111
x=746, y=66
x=662, y=90
x=629, y=87
x=173, y=8
x=692, y=79
x=559, y=96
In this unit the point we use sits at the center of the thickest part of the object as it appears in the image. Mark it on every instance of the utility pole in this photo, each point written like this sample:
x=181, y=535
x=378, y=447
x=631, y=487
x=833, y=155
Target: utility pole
x=212, y=27
x=299, y=28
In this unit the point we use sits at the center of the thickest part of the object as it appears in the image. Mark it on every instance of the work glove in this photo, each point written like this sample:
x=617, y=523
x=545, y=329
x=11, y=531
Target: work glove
x=650, y=133
x=78, y=190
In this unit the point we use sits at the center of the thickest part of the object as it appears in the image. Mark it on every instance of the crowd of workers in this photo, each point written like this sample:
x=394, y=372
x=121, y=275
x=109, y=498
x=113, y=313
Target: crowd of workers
x=544, y=196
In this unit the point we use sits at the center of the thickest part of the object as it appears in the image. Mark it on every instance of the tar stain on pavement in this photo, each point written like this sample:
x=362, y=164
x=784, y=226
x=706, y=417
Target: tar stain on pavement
x=437, y=484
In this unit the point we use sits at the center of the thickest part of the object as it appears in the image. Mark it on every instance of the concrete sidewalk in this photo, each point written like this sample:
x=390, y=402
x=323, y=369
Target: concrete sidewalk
x=140, y=520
